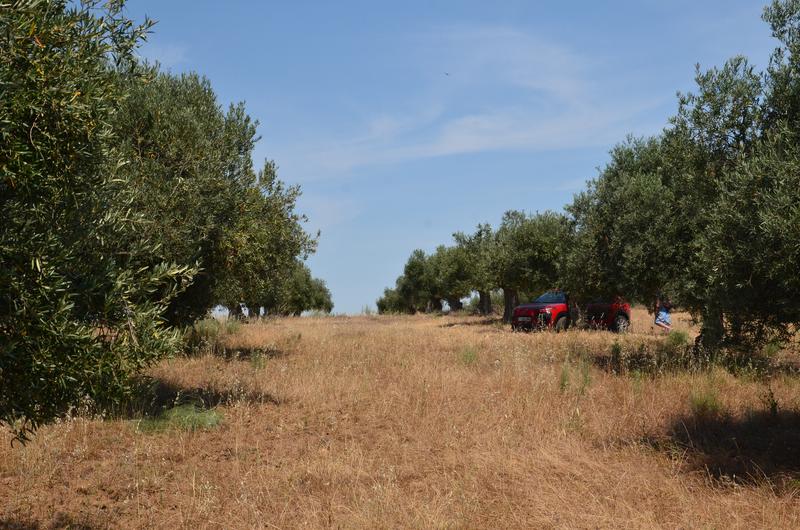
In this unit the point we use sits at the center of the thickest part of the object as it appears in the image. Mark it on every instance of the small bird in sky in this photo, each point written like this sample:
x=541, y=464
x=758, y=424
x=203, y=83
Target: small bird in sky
x=447, y=74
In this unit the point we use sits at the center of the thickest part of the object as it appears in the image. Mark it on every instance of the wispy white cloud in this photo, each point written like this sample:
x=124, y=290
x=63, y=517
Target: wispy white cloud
x=507, y=56
x=498, y=89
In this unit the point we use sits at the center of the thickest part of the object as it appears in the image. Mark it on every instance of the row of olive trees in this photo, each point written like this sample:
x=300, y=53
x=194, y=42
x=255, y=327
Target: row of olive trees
x=520, y=257
x=709, y=210
x=129, y=206
x=191, y=165
x=707, y=213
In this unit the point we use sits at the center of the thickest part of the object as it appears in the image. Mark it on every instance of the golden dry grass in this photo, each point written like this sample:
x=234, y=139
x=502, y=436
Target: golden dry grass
x=426, y=422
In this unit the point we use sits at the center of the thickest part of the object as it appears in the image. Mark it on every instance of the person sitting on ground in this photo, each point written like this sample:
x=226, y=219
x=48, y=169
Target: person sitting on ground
x=663, y=309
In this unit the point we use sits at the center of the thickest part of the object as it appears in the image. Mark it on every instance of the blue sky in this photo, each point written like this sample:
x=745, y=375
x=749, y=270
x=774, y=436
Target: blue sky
x=404, y=122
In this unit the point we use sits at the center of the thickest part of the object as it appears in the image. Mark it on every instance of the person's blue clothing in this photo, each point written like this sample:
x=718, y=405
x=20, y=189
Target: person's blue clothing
x=662, y=317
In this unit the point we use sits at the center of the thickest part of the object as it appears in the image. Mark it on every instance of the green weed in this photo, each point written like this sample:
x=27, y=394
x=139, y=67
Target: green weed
x=705, y=403
x=563, y=378
x=637, y=382
x=258, y=360
x=771, y=348
x=468, y=355
x=770, y=402
x=184, y=418
x=677, y=339
x=617, y=361
x=586, y=375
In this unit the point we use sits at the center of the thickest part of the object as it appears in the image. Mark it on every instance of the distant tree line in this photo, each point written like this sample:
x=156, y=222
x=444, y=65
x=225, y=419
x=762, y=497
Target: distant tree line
x=130, y=207
x=520, y=257
x=707, y=212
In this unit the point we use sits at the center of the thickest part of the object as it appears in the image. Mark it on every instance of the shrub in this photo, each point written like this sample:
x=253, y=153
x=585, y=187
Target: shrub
x=770, y=402
x=206, y=336
x=586, y=375
x=771, y=348
x=671, y=353
x=677, y=340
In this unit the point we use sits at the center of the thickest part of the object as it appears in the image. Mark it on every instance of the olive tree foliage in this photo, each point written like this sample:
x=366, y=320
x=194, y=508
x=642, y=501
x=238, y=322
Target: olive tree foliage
x=521, y=257
x=80, y=312
x=751, y=244
x=428, y=281
x=638, y=228
x=414, y=290
x=623, y=238
x=527, y=253
x=203, y=200
x=300, y=293
x=479, y=248
x=391, y=302
x=781, y=109
x=260, y=255
x=449, y=272
x=715, y=128
x=707, y=211
x=416, y=283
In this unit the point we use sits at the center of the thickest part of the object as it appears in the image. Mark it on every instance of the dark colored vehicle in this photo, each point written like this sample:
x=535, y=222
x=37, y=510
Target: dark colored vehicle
x=614, y=314
x=549, y=311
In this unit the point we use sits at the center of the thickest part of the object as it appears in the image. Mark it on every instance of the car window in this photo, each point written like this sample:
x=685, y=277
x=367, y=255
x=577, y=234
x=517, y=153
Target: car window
x=551, y=297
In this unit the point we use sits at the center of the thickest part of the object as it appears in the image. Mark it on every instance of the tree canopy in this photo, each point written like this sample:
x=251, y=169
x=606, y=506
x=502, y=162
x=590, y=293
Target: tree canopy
x=130, y=207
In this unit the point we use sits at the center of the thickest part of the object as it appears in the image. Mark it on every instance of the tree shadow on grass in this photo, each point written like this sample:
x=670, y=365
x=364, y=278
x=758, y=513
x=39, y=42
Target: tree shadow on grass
x=490, y=321
x=61, y=520
x=237, y=353
x=761, y=445
x=152, y=397
x=248, y=353
x=18, y=524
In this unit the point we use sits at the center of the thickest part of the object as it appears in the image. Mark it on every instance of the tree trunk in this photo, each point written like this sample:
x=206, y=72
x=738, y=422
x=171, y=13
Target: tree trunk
x=434, y=304
x=712, y=330
x=484, y=303
x=511, y=299
x=236, y=312
x=253, y=311
x=455, y=304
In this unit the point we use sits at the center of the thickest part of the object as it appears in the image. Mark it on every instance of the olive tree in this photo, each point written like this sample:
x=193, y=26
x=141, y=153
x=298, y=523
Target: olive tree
x=79, y=312
x=527, y=253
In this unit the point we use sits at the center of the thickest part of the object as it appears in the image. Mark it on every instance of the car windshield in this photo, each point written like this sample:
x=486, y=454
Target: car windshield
x=551, y=297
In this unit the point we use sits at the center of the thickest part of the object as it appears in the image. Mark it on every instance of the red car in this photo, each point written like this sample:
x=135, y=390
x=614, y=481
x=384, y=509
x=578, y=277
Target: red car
x=552, y=311
x=549, y=311
x=614, y=314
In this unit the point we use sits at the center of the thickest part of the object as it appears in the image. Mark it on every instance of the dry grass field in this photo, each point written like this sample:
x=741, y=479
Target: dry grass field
x=421, y=422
